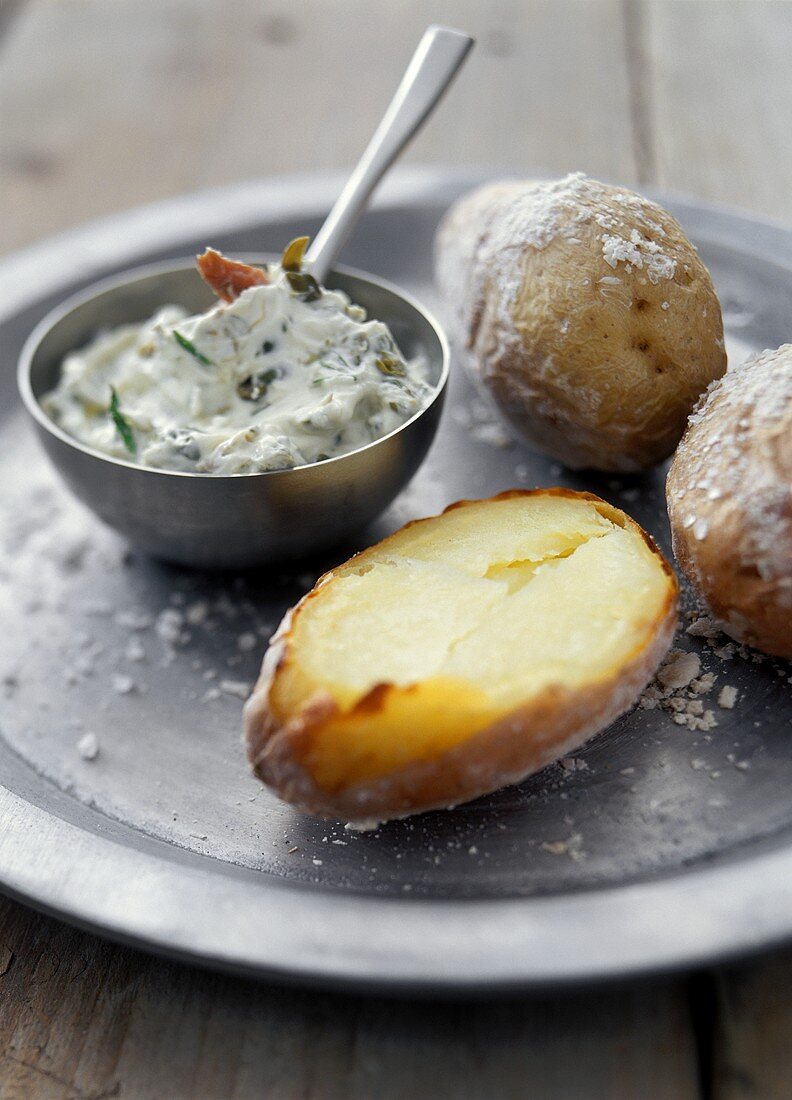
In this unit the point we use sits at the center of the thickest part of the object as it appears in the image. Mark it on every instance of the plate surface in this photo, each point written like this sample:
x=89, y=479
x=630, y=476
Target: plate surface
x=657, y=846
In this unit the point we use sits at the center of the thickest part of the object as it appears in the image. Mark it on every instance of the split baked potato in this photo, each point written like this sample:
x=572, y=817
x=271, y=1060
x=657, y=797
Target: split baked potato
x=586, y=313
x=460, y=654
x=729, y=494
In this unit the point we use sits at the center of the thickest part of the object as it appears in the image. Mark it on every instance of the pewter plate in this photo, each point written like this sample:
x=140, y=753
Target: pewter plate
x=658, y=846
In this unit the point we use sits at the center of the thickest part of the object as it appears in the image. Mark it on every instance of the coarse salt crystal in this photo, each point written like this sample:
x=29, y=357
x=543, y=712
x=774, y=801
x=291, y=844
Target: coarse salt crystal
x=727, y=697
x=703, y=685
x=122, y=684
x=680, y=670
x=197, y=612
x=134, y=620
x=239, y=688
x=704, y=627
x=169, y=626
x=88, y=746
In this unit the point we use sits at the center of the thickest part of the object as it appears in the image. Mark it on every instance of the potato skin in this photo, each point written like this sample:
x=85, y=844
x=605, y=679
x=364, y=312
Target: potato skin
x=555, y=723
x=729, y=496
x=586, y=313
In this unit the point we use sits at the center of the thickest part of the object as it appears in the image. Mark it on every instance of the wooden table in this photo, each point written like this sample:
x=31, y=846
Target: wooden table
x=108, y=103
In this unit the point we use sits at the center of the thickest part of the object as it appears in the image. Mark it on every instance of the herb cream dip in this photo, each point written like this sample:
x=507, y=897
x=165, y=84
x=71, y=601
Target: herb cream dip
x=281, y=373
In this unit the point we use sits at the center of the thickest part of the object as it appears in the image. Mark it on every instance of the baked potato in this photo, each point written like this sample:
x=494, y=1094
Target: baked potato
x=587, y=314
x=729, y=495
x=460, y=654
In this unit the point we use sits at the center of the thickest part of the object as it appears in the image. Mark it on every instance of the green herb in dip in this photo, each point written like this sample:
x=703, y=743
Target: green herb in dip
x=280, y=374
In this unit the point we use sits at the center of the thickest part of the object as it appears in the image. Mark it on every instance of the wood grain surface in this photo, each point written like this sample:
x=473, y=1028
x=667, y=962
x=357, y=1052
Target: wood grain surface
x=109, y=103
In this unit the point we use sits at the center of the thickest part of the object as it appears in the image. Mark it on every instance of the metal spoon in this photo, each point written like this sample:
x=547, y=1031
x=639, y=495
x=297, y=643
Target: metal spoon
x=434, y=65
x=234, y=521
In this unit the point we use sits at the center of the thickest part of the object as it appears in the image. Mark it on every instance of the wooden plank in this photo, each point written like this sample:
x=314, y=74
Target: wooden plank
x=106, y=105
x=81, y=1018
x=751, y=1052
x=9, y=10
x=630, y=1042
x=721, y=99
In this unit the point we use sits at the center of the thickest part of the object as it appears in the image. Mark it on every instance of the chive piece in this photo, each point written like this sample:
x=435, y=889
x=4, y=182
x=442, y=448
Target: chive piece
x=304, y=286
x=122, y=424
x=390, y=365
x=191, y=348
x=293, y=254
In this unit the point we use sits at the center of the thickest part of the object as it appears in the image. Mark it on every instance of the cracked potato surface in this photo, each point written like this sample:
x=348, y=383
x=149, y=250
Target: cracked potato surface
x=460, y=654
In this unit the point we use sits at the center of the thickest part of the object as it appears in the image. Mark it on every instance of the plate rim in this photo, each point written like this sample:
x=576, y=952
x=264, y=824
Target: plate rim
x=683, y=918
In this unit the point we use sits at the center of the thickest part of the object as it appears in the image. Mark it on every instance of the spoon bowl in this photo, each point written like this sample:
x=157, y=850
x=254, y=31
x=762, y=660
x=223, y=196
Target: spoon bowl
x=233, y=521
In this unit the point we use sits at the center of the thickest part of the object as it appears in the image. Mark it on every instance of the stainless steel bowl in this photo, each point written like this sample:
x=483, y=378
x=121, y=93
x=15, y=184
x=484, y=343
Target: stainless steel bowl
x=243, y=519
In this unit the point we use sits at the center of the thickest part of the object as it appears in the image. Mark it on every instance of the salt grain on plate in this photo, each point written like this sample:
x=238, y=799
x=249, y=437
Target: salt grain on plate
x=197, y=612
x=573, y=764
x=704, y=627
x=571, y=847
x=680, y=670
x=703, y=685
x=88, y=746
x=239, y=688
x=727, y=697
x=134, y=620
x=123, y=685
x=169, y=626
x=492, y=433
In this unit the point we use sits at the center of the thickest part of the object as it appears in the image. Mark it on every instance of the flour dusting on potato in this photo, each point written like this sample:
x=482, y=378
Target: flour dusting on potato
x=585, y=312
x=729, y=496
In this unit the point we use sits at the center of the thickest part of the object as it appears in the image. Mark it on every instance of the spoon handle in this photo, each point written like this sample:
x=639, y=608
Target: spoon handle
x=434, y=64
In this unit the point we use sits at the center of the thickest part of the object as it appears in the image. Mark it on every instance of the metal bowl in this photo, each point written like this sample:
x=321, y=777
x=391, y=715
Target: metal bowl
x=236, y=520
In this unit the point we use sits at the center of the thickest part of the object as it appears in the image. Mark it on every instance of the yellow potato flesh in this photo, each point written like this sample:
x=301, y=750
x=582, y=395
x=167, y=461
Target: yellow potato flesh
x=470, y=615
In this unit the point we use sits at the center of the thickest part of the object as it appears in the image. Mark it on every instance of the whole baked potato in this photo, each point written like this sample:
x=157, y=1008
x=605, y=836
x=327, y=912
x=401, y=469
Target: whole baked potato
x=587, y=314
x=729, y=495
